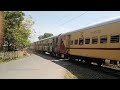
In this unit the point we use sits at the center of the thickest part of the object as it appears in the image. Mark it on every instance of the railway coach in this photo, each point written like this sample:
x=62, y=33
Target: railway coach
x=95, y=43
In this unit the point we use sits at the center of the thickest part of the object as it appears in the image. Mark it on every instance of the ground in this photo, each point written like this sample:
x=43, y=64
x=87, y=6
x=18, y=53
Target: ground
x=32, y=67
x=40, y=66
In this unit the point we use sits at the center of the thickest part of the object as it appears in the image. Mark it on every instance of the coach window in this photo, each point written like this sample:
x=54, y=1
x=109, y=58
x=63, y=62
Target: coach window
x=71, y=42
x=87, y=41
x=115, y=38
x=103, y=39
x=81, y=41
x=94, y=40
x=76, y=42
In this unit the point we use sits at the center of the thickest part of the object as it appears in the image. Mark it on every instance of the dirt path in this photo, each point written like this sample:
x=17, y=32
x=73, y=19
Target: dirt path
x=32, y=67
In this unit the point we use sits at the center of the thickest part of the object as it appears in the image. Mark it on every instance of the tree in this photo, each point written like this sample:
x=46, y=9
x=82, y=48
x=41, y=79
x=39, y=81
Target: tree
x=40, y=37
x=1, y=30
x=17, y=30
x=46, y=35
x=24, y=33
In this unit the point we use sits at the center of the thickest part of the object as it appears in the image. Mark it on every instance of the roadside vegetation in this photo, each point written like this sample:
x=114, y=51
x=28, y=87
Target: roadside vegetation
x=17, y=33
x=8, y=60
x=69, y=75
x=18, y=28
x=46, y=35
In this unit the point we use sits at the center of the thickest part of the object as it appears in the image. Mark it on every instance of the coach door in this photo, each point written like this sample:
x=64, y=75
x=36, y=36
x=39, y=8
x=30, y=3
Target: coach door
x=68, y=43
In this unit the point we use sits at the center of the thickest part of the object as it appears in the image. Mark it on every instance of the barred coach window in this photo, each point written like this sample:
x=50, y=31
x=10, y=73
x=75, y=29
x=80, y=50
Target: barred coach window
x=115, y=38
x=81, y=41
x=103, y=39
x=76, y=42
x=71, y=43
x=94, y=40
x=87, y=41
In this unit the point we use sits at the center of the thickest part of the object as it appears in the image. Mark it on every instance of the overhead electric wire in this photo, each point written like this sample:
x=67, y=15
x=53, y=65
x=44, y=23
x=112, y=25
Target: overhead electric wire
x=74, y=18
x=56, y=26
x=59, y=21
x=89, y=22
x=70, y=19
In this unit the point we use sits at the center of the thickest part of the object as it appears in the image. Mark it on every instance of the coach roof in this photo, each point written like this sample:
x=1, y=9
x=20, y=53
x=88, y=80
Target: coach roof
x=100, y=23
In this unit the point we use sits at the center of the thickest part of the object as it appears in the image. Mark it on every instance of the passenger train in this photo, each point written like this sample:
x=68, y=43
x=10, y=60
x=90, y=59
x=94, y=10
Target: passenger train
x=95, y=43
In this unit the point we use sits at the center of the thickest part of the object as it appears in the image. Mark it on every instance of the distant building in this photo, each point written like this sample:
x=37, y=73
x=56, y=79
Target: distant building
x=1, y=31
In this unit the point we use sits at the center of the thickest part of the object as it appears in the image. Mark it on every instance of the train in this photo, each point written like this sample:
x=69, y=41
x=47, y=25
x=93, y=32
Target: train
x=94, y=43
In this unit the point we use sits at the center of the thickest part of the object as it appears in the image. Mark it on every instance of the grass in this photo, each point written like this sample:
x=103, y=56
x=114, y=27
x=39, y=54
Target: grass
x=8, y=60
x=3, y=61
x=69, y=75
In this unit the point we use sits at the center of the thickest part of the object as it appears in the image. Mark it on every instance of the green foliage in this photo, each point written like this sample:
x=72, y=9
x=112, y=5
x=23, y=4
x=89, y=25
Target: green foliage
x=46, y=35
x=17, y=30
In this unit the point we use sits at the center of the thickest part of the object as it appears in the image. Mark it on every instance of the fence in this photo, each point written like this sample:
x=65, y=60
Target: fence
x=11, y=54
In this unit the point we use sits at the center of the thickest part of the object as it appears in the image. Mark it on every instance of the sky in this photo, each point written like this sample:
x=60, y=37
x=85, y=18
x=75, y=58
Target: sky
x=57, y=22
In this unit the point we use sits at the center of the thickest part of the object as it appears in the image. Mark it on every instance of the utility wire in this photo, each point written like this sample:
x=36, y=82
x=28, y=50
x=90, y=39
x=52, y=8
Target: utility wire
x=94, y=20
x=61, y=19
x=74, y=18
x=68, y=20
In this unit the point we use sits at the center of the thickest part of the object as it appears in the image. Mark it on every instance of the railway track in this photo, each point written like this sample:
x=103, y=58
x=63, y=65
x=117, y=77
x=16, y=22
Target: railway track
x=103, y=69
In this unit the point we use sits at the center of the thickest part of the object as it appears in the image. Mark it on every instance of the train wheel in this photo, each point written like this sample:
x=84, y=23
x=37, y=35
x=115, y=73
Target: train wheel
x=70, y=58
x=58, y=55
x=88, y=62
x=83, y=61
x=99, y=64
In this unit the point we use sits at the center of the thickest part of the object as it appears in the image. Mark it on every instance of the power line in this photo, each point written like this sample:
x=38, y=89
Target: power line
x=59, y=21
x=94, y=20
x=63, y=17
x=68, y=20
x=74, y=18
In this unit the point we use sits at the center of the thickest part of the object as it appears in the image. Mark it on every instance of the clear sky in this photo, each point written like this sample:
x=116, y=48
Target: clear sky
x=57, y=22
